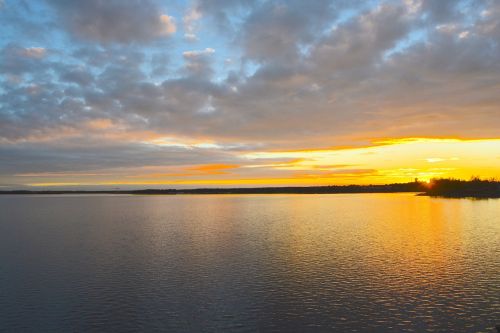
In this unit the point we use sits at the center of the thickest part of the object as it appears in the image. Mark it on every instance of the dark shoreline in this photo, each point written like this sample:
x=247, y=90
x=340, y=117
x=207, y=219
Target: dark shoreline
x=445, y=188
x=465, y=195
x=475, y=188
x=390, y=188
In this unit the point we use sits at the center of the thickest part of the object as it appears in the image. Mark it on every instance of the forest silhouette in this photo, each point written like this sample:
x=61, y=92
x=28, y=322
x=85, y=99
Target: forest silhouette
x=440, y=187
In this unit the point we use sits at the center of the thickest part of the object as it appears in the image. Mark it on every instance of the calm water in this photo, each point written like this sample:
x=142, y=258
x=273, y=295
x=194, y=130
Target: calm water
x=294, y=263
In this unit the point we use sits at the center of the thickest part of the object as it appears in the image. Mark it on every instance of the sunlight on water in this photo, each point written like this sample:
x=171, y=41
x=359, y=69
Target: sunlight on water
x=345, y=262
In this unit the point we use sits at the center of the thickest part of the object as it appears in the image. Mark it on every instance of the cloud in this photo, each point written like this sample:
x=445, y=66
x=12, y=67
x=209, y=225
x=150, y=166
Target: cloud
x=198, y=63
x=33, y=52
x=190, y=23
x=276, y=30
x=221, y=12
x=360, y=42
x=169, y=26
x=439, y=11
x=345, y=87
x=76, y=75
x=114, y=21
x=90, y=155
x=197, y=54
x=15, y=59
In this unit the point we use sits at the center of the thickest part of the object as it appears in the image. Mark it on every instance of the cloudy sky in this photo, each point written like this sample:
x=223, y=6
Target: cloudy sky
x=146, y=93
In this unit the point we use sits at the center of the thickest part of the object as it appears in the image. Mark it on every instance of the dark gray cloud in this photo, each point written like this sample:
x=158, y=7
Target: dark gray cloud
x=275, y=30
x=198, y=62
x=221, y=11
x=114, y=20
x=17, y=60
x=342, y=77
x=92, y=155
x=361, y=42
x=77, y=75
x=441, y=10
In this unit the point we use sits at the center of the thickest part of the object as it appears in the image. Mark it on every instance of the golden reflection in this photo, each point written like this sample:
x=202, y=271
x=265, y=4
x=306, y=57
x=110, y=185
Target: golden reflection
x=421, y=238
x=427, y=242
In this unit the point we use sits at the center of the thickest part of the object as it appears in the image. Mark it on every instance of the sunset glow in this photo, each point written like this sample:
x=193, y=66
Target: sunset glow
x=383, y=162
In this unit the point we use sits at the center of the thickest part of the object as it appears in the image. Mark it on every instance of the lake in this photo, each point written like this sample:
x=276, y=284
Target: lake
x=246, y=263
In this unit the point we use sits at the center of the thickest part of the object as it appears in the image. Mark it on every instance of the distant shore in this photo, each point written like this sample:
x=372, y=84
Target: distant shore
x=389, y=188
x=455, y=188
x=449, y=188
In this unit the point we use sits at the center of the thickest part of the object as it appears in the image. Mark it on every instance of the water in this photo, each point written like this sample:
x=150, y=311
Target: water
x=293, y=263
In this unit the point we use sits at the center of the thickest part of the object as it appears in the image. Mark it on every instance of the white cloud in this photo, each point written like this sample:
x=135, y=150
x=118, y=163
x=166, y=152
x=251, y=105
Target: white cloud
x=190, y=24
x=198, y=53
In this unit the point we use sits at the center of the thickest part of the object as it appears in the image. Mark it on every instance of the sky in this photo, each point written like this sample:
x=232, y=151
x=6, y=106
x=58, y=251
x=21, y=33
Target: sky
x=209, y=93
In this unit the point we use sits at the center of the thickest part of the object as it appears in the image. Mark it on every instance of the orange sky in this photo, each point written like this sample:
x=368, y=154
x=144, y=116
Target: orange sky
x=387, y=161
